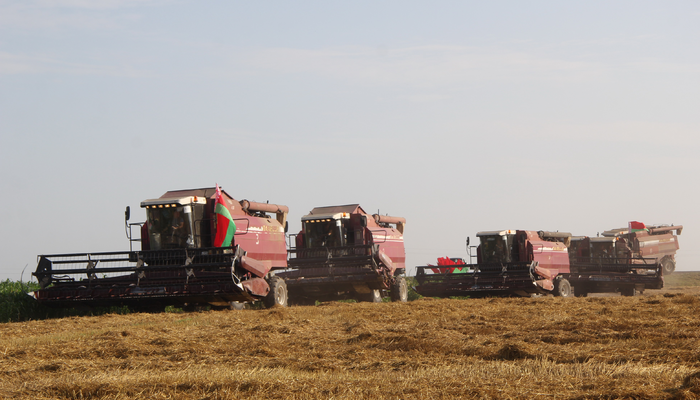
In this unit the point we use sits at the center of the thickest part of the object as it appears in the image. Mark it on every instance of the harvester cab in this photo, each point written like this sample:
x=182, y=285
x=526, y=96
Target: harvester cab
x=579, y=248
x=497, y=247
x=171, y=223
x=332, y=230
x=609, y=250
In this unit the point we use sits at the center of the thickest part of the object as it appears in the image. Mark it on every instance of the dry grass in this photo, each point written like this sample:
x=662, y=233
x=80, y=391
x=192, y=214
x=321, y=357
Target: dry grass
x=682, y=279
x=615, y=347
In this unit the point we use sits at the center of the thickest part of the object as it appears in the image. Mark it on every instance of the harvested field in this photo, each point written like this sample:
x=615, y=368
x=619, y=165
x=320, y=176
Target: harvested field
x=645, y=347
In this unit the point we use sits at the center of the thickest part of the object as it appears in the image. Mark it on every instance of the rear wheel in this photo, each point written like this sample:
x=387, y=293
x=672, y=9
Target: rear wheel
x=399, y=289
x=668, y=265
x=562, y=288
x=278, y=293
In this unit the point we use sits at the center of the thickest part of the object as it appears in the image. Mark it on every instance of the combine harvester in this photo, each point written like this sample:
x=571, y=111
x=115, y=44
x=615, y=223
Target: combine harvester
x=189, y=256
x=525, y=263
x=656, y=241
x=344, y=253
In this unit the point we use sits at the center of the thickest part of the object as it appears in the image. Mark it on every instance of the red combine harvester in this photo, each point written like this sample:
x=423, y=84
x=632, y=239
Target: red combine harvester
x=509, y=263
x=657, y=242
x=523, y=263
x=178, y=263
x=608, y=265
x=342, y=253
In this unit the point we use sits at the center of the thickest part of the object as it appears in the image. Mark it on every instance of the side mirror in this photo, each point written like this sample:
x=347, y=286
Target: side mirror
x=363, y=221
x=286, y=226
x=467, y=240
x=127, y=213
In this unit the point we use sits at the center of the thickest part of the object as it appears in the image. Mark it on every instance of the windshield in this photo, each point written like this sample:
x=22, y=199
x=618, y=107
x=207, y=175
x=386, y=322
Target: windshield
x=602, y=250
x=495, y=249
x=170, y=228
x=324, y=233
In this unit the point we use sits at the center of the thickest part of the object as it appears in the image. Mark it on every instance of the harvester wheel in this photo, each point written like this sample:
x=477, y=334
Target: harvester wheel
x=668, y=265
x=374, y=296
x=562, y=288
x=629, y=291
x=399, y=289
x=278, y=293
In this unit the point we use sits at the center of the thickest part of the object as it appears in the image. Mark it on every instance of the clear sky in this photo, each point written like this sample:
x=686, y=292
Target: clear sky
x=460, y=116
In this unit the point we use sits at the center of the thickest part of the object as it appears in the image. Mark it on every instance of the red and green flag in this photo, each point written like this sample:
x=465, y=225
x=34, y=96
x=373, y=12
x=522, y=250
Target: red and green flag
x=637, y=226
x=225, y=227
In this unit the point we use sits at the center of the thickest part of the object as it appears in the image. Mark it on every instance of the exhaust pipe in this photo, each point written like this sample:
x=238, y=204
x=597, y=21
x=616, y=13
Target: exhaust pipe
x=279, y=210
x=662, y=229
x=263, y=207
x=385, y=219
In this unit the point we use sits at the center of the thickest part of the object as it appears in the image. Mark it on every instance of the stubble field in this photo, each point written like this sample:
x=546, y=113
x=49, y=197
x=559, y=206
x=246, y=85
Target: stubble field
x=645, y=347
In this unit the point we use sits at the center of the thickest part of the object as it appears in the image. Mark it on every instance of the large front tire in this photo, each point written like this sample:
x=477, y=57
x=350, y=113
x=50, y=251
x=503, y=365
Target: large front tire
x=399, y=289
x=278, y=295
x=562, y=288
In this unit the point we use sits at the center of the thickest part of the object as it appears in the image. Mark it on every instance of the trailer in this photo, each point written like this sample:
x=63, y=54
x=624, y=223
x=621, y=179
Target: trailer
x=342, y=252
x=527, y=263
x=179, y=262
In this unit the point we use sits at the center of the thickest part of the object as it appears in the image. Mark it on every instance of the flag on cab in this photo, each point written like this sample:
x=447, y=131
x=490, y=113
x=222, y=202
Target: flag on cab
x=637, y=226
x=225, y=227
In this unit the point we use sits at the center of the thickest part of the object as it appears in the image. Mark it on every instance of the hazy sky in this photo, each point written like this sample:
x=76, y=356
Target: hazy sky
x=460, y=116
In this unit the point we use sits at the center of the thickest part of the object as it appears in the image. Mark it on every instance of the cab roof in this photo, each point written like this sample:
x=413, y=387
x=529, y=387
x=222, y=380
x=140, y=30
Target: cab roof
x=334, y=212
x=495, y=233
x=330, y=210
